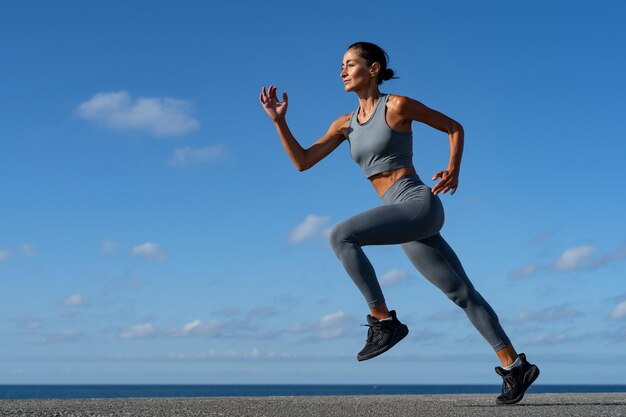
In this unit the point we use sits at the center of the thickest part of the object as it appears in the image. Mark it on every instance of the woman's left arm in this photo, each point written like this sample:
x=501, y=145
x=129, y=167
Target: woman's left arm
x=408, y=110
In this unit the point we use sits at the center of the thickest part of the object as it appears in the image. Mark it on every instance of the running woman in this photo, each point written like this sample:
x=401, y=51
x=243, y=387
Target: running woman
x=411, y=215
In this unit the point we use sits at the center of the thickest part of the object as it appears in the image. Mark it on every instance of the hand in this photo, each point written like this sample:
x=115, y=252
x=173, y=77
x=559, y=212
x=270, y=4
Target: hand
x=449, y=181
x=275, y=109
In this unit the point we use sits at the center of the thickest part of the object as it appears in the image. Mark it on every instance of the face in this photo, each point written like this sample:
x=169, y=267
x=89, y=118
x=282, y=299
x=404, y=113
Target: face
x=355, y=72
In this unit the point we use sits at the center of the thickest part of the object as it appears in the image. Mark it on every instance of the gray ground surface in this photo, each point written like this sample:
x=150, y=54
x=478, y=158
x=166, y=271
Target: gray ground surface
x=544, y=405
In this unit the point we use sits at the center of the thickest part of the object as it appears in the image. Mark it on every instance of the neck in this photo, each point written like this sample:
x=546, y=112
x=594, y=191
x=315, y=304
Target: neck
x=368, y=98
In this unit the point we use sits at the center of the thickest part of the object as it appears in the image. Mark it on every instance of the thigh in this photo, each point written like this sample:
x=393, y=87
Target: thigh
x=389, y=224
x=436, y=261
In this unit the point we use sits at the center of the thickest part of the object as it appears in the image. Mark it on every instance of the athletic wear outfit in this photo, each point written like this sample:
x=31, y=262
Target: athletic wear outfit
x=411, y=216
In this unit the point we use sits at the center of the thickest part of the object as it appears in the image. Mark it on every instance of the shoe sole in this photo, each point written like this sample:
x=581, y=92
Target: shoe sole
x=529, y=377
x=398, y=335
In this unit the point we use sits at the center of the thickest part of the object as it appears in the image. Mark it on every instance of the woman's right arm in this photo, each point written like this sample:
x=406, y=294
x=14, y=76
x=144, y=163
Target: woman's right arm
x=302, y=158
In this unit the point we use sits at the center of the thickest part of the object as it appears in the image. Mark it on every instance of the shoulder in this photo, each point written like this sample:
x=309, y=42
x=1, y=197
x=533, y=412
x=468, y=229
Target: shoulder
x=341, y=125
x=342, y=122
x=399, y=103
x=407, y=107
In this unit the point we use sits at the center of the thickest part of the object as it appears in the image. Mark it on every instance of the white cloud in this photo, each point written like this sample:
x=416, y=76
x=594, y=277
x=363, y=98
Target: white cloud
x=333, y=319
x=109, y=246
x=29, y=322
x=525, y=272
x=228, y=311
x=296, y=328
x=185, y=156
x=573, y=258
x=252, y=354
x=544, y=236
x=28, y=249
x=149, y=250
x=197, y=327
x=619, y=253
x=139, y=331
x=72, y=300
x=23, y=248
x=159, y=116
x=262, y=311
x=577, y=258
x=447, y=315
x=620, y=312
x=549, y=339
x=548, y=314
x=65, y=335
x=4, y=255
x=331, y=326
x=190, y=326
x=334, y=325
x=308, y=228
x=393, y=277
x=193, y=328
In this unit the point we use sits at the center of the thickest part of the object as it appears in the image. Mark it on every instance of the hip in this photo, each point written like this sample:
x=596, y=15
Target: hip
x=409, y=187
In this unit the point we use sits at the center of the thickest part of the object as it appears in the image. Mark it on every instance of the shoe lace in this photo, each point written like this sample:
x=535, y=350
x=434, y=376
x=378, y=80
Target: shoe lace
x=375, y=332
x=508, y=383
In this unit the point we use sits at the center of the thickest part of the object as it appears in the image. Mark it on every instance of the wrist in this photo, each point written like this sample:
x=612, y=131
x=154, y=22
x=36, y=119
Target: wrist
x=279, y=122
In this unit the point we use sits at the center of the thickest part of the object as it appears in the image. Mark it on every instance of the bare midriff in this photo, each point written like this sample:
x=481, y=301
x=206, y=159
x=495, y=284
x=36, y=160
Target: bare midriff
x=384, y=180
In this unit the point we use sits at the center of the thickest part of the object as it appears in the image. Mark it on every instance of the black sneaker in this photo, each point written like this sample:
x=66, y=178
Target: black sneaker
x=382, y=336
x=516, y=381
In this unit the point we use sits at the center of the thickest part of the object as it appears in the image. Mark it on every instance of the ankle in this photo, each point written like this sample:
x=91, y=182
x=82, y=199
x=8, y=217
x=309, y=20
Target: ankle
x=380, y=312
x=515, y=364
x=507, y=355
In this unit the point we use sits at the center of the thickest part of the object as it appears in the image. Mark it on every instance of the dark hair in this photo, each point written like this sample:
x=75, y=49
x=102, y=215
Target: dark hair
x=373, y=53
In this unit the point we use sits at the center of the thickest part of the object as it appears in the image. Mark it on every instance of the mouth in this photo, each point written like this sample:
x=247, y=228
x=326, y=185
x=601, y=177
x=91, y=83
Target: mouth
x=346, y=81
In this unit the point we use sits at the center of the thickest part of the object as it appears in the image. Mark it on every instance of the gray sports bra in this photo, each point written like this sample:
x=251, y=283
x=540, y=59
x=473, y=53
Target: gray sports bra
x=375, y=146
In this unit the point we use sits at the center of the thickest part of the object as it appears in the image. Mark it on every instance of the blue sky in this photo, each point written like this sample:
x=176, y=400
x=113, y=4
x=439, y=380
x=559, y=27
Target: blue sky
x=153, y=230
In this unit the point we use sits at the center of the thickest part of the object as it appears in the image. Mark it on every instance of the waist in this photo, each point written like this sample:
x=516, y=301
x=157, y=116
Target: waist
x=405, y=188
x=384, y=180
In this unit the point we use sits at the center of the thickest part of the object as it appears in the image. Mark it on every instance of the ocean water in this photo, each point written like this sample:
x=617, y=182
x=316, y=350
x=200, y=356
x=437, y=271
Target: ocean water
x=15, y=392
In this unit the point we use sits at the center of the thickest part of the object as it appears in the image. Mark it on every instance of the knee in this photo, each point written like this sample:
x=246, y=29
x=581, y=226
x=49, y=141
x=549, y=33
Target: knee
x=462, y=295
x=339, y=236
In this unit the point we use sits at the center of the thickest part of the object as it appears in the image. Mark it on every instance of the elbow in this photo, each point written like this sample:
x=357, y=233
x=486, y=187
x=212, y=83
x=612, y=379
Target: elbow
x=303, y=165
x=451, y=127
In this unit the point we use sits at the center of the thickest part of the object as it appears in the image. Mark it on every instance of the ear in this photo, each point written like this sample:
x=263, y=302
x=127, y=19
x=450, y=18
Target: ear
x=375, y=69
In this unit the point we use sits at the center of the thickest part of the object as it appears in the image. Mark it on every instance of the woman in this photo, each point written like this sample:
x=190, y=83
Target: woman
x=380, y=138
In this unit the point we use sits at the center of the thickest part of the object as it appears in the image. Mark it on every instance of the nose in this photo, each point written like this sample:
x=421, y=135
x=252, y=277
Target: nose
x=343, y=73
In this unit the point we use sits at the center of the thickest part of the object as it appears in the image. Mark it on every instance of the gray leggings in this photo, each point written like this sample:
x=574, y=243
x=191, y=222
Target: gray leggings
x=411, y=215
